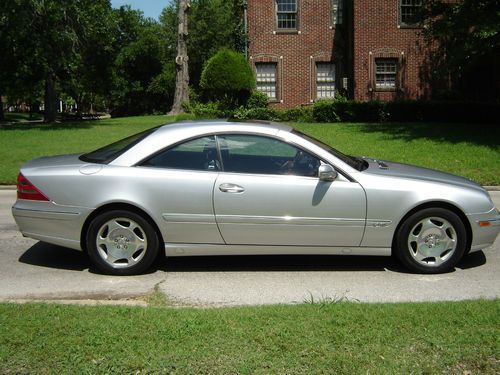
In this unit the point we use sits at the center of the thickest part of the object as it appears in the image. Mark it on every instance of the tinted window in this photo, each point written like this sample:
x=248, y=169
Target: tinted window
x=263, y=155
x=110, y=152
x=356, y=163
x=198, y=154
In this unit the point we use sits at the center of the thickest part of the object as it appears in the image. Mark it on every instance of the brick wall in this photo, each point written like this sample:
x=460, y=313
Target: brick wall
x=294, y=52
x=377, y=34
x=370, y=30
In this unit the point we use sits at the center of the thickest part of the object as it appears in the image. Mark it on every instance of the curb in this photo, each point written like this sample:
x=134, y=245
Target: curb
x=13, y=187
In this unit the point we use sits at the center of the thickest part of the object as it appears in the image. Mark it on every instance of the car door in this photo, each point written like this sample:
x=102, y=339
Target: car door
x=269, y=194
x=180, y=182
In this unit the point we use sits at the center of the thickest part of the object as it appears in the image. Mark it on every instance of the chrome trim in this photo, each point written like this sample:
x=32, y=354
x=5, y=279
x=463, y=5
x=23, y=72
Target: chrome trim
x=378, y=223
x=189, y=218
x=291, y=220
x=47, y=211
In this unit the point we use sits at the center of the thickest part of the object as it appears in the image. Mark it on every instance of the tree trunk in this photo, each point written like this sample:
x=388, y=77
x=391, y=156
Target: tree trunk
x=2, y=117
x=50, y=98
x=181, y=61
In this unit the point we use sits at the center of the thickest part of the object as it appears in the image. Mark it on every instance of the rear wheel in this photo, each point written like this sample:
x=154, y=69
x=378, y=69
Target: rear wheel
x=432, y=240
x=121, y=242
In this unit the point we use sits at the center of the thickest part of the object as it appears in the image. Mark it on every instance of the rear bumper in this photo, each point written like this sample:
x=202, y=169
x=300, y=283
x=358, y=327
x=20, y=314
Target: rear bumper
x=48, y=222
x=485, y=229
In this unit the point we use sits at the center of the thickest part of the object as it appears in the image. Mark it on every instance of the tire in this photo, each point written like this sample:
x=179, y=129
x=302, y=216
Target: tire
x=432, y=240
x=122, y=242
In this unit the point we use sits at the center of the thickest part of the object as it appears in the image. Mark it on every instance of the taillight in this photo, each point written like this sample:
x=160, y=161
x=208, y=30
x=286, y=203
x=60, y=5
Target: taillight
x=26, y=190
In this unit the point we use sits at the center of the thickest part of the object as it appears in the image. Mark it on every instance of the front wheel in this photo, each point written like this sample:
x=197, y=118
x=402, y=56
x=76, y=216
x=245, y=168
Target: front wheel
x=121, y=242
x=432, y=240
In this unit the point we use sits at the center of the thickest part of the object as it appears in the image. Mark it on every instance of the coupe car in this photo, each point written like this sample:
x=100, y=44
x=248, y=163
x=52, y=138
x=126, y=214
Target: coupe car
x=236, y=188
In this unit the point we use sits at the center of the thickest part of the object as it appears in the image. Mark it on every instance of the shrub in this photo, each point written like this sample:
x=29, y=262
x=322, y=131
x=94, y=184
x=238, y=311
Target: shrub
x=297, y=114
x=268, y=114
x=257, y=99
x=325, y=111
x=227, y=78
x=205, y=110
x=405, y=111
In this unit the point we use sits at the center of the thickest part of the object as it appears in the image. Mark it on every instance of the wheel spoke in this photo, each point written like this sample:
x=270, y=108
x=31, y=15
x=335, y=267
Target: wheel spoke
x=120, y=242
x=435, y=236
x=427, y=224
x=113, y=224
x=437, y=260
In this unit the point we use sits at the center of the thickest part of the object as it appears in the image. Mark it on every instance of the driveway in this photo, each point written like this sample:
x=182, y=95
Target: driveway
x=34, y=270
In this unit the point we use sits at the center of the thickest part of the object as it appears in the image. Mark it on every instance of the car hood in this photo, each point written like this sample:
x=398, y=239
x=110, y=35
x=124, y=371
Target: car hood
x=54, y=161
x=388, y=168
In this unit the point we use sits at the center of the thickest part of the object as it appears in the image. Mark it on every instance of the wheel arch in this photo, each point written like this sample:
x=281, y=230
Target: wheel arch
x=118, y=206
x=437, y=204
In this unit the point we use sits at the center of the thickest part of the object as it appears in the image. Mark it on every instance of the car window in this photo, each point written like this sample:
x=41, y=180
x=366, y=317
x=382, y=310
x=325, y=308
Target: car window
x=264, y=155
x=198, y=155
x=108, y=153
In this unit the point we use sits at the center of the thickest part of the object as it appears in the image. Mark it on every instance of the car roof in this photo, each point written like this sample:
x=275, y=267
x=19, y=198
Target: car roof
x=195, y=125
x=170, y=134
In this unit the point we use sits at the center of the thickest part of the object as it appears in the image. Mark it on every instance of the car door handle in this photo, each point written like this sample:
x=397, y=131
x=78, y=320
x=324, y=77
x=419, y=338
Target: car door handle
x=231, y=188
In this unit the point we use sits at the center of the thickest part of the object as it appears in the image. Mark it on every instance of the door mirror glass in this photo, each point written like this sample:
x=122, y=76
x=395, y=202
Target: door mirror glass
x=327, y=173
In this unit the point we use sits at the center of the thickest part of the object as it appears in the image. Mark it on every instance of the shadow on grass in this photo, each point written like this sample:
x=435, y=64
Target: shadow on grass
x=480, y=134
x=82, y=124
x=86, y=124
x=18, y=117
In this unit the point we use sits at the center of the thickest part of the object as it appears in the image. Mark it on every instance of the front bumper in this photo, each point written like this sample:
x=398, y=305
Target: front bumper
x=485, y=229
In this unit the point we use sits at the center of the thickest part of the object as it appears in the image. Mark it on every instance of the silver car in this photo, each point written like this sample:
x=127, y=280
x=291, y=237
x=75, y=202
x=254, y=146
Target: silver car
x=222, y=188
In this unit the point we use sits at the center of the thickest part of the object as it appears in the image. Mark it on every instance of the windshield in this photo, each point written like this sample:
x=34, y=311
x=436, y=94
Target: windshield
x=108, y=153
x=356, y=163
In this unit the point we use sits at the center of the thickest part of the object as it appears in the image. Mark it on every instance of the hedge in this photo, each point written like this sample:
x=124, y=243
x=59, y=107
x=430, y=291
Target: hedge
x=402, y=111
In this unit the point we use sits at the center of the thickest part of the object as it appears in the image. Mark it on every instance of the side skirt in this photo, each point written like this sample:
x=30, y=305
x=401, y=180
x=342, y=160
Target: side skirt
x=179, y=249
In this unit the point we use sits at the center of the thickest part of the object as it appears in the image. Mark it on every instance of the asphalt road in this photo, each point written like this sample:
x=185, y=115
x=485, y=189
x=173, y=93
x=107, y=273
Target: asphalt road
x=33, y=270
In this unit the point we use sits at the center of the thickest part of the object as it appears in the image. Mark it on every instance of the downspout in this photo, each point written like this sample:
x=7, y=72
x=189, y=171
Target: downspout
x=245, y=27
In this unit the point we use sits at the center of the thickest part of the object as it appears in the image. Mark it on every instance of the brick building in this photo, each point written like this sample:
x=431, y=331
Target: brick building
x=305, y=50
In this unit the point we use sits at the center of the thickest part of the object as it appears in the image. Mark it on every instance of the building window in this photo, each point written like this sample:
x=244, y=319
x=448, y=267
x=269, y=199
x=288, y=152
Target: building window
x=286, y=14
x=410, y=12
x=266, y=79
x=337, y=12
x=325, y=80
x=385, y=74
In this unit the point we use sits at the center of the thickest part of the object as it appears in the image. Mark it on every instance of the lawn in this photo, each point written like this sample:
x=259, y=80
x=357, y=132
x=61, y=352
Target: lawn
x=21, y=116
x=324, y=338
x=469, y=150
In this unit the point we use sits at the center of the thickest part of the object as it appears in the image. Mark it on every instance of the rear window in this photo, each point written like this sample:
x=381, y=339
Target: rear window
x=107, y=154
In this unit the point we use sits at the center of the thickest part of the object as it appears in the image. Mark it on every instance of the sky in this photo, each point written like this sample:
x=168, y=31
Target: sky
x=151, y=8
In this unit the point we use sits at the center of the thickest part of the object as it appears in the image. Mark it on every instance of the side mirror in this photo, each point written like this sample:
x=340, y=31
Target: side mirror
x=327, y=173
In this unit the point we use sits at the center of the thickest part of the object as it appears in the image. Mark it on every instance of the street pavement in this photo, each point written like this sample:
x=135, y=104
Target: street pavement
x=35, y=270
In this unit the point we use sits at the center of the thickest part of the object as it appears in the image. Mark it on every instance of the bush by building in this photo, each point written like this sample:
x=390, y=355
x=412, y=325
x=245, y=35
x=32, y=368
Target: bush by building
x=227, y=78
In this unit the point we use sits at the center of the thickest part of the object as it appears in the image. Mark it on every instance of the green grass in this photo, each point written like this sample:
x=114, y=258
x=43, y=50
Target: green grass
x=22, y=142
x=469, y=150
x=339, y=338
x=21, y=116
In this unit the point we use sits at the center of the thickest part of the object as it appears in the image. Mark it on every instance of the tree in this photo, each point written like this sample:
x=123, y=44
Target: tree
x=143, y=78
x=50, y=41
x=467, y=60
x=213, y=24
x=181, y=60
